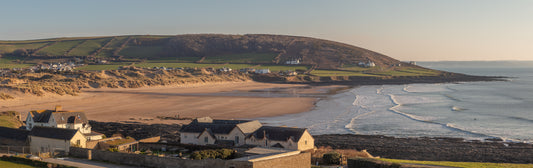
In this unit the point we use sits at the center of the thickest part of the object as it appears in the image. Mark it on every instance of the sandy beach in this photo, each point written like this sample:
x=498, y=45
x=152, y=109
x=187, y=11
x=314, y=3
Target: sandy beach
x=230, y=100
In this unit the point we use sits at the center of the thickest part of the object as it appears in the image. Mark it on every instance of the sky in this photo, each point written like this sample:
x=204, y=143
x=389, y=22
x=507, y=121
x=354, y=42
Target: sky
x=408, y=30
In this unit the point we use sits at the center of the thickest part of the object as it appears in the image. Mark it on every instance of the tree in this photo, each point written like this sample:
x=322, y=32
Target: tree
x=21, y=52
x=332, y=158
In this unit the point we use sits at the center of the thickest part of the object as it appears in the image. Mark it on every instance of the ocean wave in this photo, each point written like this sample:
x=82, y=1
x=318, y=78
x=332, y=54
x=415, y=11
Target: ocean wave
x=429, y=121
x=459, y=129
x=455, y=108
x=379, y=90
x=410, y=116
x=452, y=98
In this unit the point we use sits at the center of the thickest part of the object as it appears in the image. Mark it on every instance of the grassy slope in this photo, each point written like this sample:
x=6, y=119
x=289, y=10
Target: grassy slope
x=8, y=48
x=108, y=51
x=88, y=47
x=462, y=164
x=242, y=58
x=9, y=121
x=13, y=165
x=60, y=48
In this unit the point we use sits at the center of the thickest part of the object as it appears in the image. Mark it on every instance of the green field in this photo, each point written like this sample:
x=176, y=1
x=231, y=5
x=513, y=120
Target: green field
x=141, y=51
x=241, y=58
x=350, y=67
x=13, y=165
x=114, y=44
x=408, y=72
x=88, y=47
x=8, y=62
x=277, y=68
x=337, y=73
x=462, y=164
x=9, y=48
x=59, y=48
x=174, y=60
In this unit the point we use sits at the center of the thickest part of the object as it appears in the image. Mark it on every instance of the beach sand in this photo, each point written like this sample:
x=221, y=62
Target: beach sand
x=242, y=100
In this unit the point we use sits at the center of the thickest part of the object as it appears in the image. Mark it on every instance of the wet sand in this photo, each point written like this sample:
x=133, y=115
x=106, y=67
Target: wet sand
x=242, y=100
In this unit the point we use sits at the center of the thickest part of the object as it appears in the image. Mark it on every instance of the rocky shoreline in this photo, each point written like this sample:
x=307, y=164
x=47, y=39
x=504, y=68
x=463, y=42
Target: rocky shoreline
x=431, y=149
x=446, y=77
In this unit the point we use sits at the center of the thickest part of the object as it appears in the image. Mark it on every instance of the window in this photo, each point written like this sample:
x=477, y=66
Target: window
x=206, y=139
x=30, y=126
x=78, y=142
x=185, y=136
x=306, y=142
x=236, y=139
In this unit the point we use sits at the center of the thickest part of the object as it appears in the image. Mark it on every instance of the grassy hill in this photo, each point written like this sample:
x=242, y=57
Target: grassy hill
x=213, y=48
x=318, y=57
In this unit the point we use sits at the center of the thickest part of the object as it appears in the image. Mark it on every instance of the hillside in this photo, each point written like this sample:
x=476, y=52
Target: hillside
x=204, y=48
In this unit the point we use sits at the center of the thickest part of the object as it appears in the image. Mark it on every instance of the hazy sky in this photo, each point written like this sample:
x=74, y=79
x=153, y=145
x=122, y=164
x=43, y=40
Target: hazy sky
x=419, y=30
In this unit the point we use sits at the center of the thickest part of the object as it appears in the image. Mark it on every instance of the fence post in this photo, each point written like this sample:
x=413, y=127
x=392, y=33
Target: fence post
x=89, y=154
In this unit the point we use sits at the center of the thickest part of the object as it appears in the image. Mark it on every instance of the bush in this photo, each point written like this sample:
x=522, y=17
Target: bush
x=332, y=158
x=214, y=154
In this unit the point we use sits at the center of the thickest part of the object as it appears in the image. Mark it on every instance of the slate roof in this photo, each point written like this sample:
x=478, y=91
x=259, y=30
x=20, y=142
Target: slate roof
x=220, y=126
x=54, y=133
x=249, y=127
x=214, y=128
x=279, y=133
x=15, y=134
x=61, y=117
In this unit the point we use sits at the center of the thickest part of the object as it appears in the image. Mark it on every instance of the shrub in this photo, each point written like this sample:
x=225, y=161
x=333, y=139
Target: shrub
x=214, y=154
x=332, y=158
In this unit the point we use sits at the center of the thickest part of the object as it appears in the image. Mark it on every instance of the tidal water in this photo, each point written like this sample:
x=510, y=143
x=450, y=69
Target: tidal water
x=470, y=110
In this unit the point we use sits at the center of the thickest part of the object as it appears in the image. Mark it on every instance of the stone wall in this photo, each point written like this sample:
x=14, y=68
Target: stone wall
x=302, y=160
x=155, y=161
x=295, y=161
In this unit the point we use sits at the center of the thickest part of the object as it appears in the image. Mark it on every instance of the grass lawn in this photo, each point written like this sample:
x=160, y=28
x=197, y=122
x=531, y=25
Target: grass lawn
x=13, y=165
x=277, y=68
x=338, y=73
x=462, y=164
x=241, y=58
x=8, y=121
x=408, y=72
x=88, y=47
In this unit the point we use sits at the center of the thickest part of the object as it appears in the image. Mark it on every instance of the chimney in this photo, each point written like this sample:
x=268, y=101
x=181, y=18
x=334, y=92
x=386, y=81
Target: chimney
x=59, y=108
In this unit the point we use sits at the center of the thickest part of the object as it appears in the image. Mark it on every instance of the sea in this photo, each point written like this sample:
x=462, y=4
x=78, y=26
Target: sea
x=470, y=110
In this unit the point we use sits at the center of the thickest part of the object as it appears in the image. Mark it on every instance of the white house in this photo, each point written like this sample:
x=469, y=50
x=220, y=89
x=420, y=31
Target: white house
x=206, y=131
x=203, y=131
x=262, y=71
x=61, y=119
x=49, y=139
x=367, y=64
x=282, y=137
x=293, y=62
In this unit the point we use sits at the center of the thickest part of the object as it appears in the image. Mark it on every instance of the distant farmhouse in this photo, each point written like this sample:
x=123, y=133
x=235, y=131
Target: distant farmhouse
x=61, y=119
x=205, y=131
x=293, y=62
